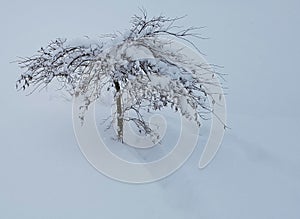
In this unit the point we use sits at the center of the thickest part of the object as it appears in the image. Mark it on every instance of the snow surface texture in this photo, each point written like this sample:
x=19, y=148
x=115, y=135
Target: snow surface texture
x=256, y=173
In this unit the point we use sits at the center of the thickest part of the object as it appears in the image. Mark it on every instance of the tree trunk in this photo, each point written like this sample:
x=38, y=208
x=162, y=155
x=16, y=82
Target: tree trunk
x=119, y=112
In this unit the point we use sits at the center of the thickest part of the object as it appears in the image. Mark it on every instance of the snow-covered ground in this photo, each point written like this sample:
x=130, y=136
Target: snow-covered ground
x=256, y=173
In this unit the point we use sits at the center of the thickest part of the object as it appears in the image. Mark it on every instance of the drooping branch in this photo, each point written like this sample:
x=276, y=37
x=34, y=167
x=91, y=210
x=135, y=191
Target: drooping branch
x=58, y=60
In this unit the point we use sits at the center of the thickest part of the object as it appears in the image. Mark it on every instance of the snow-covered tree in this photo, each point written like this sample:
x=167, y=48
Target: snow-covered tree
x=139, y=66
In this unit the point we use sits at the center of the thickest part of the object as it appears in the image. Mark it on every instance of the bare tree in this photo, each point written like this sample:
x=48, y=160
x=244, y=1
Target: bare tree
x=138, y=66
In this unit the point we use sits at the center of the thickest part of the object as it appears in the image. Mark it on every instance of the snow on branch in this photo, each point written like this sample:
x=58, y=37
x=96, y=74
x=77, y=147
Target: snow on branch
x=139, y=67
